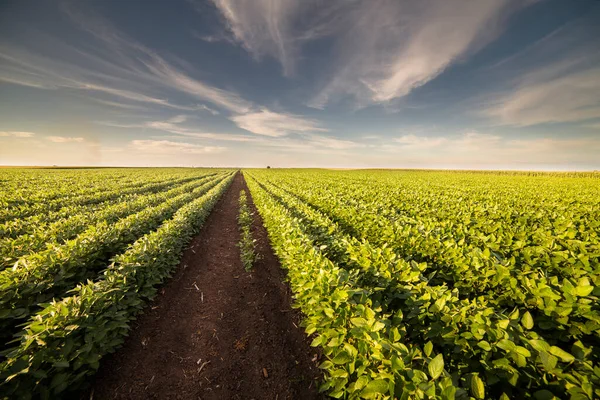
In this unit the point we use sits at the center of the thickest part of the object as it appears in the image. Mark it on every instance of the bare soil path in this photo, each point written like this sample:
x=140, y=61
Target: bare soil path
x=216, y=331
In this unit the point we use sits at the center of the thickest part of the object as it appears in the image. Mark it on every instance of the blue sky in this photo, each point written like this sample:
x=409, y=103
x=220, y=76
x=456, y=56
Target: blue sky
x=496, y=84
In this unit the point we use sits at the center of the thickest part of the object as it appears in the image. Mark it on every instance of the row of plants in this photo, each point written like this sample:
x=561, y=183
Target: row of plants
x=567, y=308
x=63, y=343
x=481, y=342
x=109, y=192
x=22, y=186
x=53, y=234
x=37, y=278
x=246, y=244
x=25, y=224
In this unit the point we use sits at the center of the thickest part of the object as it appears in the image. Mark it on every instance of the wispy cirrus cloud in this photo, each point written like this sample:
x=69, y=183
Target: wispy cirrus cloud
x=484, y=150
x=287, y=132
x=138, y=75
x=65, y=139
x=563, y=87
x=269, y=123
x=569, y=98
x=122, y=69
x=390, y=50
x=381, y=51
x=173, y=126
x=170, y=147
x=263, y=27
x=17, y=134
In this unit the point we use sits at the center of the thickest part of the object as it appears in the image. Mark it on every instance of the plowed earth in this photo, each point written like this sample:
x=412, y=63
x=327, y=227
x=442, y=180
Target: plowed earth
x=216, y=331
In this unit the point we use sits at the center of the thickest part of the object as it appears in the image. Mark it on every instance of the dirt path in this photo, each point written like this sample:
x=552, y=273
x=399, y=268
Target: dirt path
x=216, y=331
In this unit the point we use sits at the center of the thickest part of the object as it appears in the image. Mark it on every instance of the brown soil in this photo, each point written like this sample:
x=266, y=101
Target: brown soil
x=216, y=331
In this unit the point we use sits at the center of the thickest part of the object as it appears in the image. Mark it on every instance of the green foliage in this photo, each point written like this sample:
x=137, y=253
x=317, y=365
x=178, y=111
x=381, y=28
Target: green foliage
x=39, y=277
x=247, y=243
x=442, y=285
x=63, y=343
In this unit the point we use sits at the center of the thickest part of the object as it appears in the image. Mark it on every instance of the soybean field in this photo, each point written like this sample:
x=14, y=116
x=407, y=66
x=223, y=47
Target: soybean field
x=299, y=283
x=82, y=250
x=435, y=284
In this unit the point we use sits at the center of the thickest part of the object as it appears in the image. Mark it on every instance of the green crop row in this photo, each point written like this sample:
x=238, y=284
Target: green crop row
x=62, y=344
x=433, y=341
x=60, y=231
x=565, y=307
x=37, y=278
x=22, y=187
x=247, y=252
x=111, y=191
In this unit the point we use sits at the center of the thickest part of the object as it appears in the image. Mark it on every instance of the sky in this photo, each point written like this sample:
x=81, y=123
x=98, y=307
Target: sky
x=452, y=84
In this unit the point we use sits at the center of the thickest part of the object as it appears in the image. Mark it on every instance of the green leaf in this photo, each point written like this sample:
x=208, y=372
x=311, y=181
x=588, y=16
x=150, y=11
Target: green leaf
x=523, y=351
x=582, y=291
x=527, y=320
x=428, y=348
x=484, y=345
x=377, y=326
x=477, y=387
x=560, y=353
x=539, y=345
x=506, y=344
x=543, y=395
x=436, y=366
x=360, y=322
x=377, y=386
x=342, y=358
x=61, y=364
x=548, y=360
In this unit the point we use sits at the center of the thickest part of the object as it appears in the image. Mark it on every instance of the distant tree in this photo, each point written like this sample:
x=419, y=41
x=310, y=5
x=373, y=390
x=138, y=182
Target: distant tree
x=268, y=166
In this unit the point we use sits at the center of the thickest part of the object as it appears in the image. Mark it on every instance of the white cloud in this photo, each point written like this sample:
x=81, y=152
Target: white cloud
x=554, y=80
x=263, y=27
x=163, y=72
x=206, y=108
x=125, y=73
x=269, y=123
x=18, y=134
x=382, y=50
x=389, y=50
x=423, y=142
x=480, y=150
x=328, y=142
x=173, y=127
x=65, y=139
x=177, y=119
x=123, y=68
x=550, y=95
x=170, y=147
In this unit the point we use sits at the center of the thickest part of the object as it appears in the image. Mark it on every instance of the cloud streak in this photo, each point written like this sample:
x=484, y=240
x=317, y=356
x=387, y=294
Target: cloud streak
x=170, y=147
x=481, y=150
x=563, y=87
x=269, y=123
x=65, y=139
x=17, y=134
x=264, y=27
x=381, y=51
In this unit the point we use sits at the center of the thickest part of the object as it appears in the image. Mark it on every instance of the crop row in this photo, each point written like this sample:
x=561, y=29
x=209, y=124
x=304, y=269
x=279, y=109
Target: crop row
x=416, y=336
x=53, y=234
x=37, y=278
x=31, y=186
x=109, y=195
x=565, y=307
x=111, y=191
x=63, y=343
